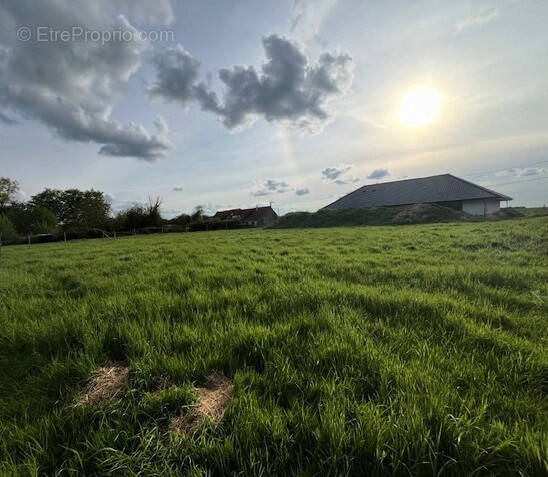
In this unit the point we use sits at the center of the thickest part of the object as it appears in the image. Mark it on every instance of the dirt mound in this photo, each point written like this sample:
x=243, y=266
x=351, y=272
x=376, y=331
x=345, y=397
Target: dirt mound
x=213, y=400
x=424, y=213
x=105, y=383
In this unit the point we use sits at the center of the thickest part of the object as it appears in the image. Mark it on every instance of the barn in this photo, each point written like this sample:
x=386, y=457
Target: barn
x=444, y=189
x=255, y=217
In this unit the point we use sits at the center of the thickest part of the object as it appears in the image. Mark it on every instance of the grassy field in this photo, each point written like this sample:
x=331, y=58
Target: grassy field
x=410, y=350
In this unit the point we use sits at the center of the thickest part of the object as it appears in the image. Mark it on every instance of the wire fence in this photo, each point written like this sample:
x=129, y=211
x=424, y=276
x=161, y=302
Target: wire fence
x=97, y=233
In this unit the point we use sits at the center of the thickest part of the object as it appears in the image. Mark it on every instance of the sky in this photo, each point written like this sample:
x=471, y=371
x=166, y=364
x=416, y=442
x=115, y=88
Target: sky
x=240, y=103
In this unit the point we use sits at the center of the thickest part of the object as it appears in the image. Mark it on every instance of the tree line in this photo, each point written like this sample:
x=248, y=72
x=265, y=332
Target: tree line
x=76, y=212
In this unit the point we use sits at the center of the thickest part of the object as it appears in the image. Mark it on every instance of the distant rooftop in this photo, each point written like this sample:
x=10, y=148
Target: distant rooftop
x=440, y=188
x=244, y=214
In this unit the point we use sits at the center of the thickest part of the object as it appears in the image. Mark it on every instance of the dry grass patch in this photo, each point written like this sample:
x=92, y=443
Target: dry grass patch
x=105, y=383
x=213, y=400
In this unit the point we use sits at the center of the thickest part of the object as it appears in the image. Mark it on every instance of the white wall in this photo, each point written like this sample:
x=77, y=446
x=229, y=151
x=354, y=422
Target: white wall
x=481, y=206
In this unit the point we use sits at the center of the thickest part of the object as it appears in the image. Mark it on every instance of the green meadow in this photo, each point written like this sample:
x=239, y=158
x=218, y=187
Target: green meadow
x=389, y=350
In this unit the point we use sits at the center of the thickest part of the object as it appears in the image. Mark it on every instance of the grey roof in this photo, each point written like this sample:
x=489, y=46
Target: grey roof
x=441, y=188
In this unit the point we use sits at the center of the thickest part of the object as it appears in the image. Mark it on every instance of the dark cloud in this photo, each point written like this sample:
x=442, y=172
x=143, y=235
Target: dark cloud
x=337, y=174
x=378, y=174
x=288, y=88
x=70, y=86
x=302, y=191
x=176, y=73
x=271, y=186
x=177, y=189
x=334, y=172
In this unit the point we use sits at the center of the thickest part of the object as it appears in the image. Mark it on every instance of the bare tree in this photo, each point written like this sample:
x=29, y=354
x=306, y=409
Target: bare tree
x=153, y=211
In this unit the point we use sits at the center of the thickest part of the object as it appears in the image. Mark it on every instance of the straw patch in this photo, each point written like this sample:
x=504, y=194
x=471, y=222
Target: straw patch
x=105, y=383
x=213, y=400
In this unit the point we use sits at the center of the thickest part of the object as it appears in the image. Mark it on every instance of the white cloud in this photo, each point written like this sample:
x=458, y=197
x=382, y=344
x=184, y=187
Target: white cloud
x=478, y=18
x=21, y=196
x=306, y=17
x=531, y=171
x=70, y=86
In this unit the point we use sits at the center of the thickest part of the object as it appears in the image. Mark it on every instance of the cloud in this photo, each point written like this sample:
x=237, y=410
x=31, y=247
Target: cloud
x=307, y=16
x=176, y=73
x=352, y=180
x=21, y=196
x=531, y=171
x=378, y=174
x=288, y=88
x=302, y=191
x=521, y=172
x=159, y=12
x=70, y=86
x=7, y=120
x=177, y=189
x=332, y=173
x=478, y=18
x=110, y=198
x=271, y=186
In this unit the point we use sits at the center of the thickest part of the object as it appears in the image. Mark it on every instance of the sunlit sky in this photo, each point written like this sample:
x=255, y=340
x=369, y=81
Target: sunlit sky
x=409, y=89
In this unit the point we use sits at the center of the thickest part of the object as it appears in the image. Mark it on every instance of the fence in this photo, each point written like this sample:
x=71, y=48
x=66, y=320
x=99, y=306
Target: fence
x=64, y=236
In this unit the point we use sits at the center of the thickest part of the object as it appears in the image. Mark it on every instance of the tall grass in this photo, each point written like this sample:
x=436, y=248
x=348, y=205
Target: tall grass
x=417, y=350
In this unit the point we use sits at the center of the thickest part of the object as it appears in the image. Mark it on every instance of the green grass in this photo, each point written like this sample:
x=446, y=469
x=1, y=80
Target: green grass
x=409, y=350
x=532, y=211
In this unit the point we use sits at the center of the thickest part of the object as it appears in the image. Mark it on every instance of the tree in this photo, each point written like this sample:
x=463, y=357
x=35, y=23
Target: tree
x=139, y=216
x=31, y=219
x=154, y=218
x=182, y=220
x=8, y=189
x=7, y=230
x=51, y=199
x=75, y=209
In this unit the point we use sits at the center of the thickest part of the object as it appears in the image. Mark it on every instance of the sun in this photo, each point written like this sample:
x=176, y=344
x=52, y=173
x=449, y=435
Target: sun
x=420, y=107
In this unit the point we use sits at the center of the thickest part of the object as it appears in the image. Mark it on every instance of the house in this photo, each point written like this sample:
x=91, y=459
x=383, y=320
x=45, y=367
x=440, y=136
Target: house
x=256, y=217
x=444, y=189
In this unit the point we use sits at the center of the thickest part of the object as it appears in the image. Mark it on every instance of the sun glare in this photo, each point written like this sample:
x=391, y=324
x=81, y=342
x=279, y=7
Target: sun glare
x=419, y=107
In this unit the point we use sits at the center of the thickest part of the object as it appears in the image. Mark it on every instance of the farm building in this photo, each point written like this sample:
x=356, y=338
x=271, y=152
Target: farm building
x=256, y=217
x=444, y=189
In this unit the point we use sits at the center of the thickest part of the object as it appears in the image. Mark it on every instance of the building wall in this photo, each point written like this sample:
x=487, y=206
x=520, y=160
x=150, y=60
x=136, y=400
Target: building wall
x=481, y=206
x=269, y=217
